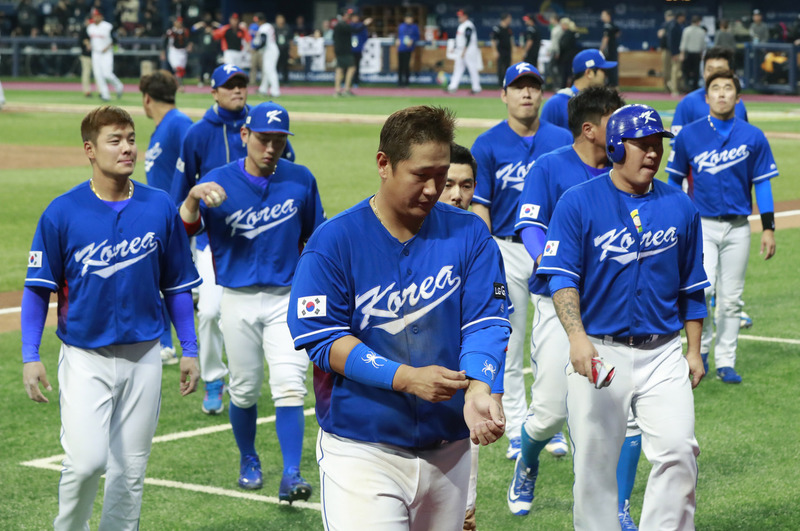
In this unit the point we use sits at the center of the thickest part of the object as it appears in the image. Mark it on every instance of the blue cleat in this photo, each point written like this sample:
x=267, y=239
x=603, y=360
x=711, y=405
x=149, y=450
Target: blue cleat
x=729, y=375
x=294, y=487
x=514, y=448
x=520, y=492
x=557, y=445
x=212, y=402
x=250, y=473
x=625, y=520
x=745, y=321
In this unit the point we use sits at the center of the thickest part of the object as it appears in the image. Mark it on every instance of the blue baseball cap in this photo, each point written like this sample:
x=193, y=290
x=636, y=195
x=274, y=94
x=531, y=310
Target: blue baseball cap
x=223, y=73
x=591, y=58
x=268, y=117
x=523, y=69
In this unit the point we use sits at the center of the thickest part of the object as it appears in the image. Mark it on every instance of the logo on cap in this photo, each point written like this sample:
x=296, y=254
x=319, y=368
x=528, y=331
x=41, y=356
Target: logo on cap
x=648, y=116
x=228, y=68
x=523, y=67
x=273, y=116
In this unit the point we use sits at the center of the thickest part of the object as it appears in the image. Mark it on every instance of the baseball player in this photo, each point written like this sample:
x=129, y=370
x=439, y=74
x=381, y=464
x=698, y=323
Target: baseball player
x=108, y=248
x=177, y=46
x=406, y=334
x=266, y=43
x=158, y=99
x=726, y=158
x=589, y=69
x=468, y=55
x=505, y=154
x=552, y=175
x=623, y=259
x=257, y=211
x=102, y=40
x=233, y=37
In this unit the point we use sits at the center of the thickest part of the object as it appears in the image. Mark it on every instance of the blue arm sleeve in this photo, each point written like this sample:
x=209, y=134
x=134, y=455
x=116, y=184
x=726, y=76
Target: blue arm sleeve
x=181, y=311
x=764, y=196
x=692, y=305
x=483, y=351
x=675, y=180
x=34, y=314
x=533, y=238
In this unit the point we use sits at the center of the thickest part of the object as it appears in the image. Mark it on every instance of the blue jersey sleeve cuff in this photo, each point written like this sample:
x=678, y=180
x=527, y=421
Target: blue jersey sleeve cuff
x=483, y=353
x=558, y=282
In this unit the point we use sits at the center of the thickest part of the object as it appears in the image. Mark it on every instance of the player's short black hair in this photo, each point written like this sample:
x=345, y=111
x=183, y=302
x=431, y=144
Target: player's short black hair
x=590, y=105
x=725, y=74
x=461, y=155
x=718, y=52
x=101, y=117
x=415, y=125
x=161, y=85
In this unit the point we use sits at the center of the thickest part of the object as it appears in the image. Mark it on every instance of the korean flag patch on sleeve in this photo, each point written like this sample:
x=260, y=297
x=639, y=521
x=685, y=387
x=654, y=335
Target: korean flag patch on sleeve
x=35, y=259
x=313, y=306
x=551, y=248
x=529, y=211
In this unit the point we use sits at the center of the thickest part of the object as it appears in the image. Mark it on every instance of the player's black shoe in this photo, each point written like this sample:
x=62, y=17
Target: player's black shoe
x=294, y=487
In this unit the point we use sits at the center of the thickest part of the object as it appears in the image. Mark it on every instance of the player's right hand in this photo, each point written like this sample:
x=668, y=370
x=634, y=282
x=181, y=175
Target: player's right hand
x=212, y=194
x=433, y=383
x=33, y=372
x=581, y=352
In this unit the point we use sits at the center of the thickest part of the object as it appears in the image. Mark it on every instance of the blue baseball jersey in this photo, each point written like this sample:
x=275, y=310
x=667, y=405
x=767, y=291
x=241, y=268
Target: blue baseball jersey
x=110, y=267
x=693, y=106
x=555, y=110
x=722, y=170
x=165, y=148
x=504, y=160
x=553, y=174
x=257, y=233
x=410, y=302
x=630, y=256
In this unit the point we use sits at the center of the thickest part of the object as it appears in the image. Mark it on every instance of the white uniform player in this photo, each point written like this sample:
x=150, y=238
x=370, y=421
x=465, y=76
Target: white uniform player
x=109, y=248
x=101, y=39
x=624, y=262
x=407, y=334
x=269, y=60
x=468, y=55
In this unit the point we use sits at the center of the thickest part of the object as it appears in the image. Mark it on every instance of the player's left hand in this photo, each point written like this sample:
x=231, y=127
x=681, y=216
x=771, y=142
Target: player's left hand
x=33, y=372
x=190, y=375
x=768, y=244
x=696, y=369
x=483, y=414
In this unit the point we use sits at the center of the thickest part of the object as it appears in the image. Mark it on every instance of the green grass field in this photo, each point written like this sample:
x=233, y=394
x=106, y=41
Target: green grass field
x=748, y=448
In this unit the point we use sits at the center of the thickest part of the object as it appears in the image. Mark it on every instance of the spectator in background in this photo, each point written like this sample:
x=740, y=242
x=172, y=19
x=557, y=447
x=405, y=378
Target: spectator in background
x=233, y=37
x=502, y=38
x=407, y=37
x=666, y=54
x=724, y=37
x=554, y=73
x=567, y=48
x=255, y=52
x=533, y=40
x=207, y=47
x=608, y=45
x=794, y=32
x=674, y=33
x=300, y=28
x=283, y=36
x=693, y=44
x=360, y=36
x=27, y=18
x=343, y=49
x=128, y=13
x=758, y=30
x=86, y=60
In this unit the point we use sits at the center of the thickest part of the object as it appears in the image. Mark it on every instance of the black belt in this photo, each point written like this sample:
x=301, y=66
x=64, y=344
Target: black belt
x=512, y=239
x=728, y=217
x=637, y=341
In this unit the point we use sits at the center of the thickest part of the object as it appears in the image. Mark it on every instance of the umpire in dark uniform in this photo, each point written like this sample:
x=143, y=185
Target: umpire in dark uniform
x=608, y=45
x=533, y=41
x=502, y=37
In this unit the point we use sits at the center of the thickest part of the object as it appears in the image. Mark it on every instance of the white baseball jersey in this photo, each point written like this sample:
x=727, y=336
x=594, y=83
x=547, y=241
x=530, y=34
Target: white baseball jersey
x=100, y=35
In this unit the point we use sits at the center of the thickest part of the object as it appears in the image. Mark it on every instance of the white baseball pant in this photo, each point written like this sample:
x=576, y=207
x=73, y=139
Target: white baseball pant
x=177, y=58
x=209, y=333
x=470, y=63
x=233, y=57
x=269, y=72
x=519, y=267
x=255, y=329
x=379, y=486
x=726, y=249
x=103, y=70
x=653, y=380
x=109, y=399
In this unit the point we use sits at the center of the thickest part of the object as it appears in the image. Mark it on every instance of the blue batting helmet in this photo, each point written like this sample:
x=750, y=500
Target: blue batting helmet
x=631, y=121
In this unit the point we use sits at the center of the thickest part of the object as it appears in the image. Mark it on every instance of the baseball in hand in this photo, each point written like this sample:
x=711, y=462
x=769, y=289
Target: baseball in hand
x=213, y=199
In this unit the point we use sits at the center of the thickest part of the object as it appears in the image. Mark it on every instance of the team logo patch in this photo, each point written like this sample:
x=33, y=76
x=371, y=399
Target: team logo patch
x=551, y=248
x=529, y=211
x=35, y=259
x=180, y=165
x=499, y=290
x=313, y=306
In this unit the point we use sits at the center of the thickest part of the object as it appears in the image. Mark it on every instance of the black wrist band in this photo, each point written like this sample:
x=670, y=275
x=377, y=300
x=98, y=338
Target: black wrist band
x=768, y=220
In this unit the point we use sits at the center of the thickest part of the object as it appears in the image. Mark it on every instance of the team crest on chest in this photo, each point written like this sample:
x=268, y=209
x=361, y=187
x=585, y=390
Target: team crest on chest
x=251, y=222
x=513, y=175
x=616, y=244
x=103, y=260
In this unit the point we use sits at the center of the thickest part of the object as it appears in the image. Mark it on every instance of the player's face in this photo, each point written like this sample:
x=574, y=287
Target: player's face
x=523, y=98
x=459, y=187
x=722, y=98
x=642, y=160
x=263, y=150
x=714, y=65
x=599, y=131
x=114, y=152
x=414, y=185
x=596, y=77
x=232, y=96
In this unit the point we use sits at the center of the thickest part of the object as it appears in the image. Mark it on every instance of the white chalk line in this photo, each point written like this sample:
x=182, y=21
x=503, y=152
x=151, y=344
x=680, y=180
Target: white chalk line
x=53, y=462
